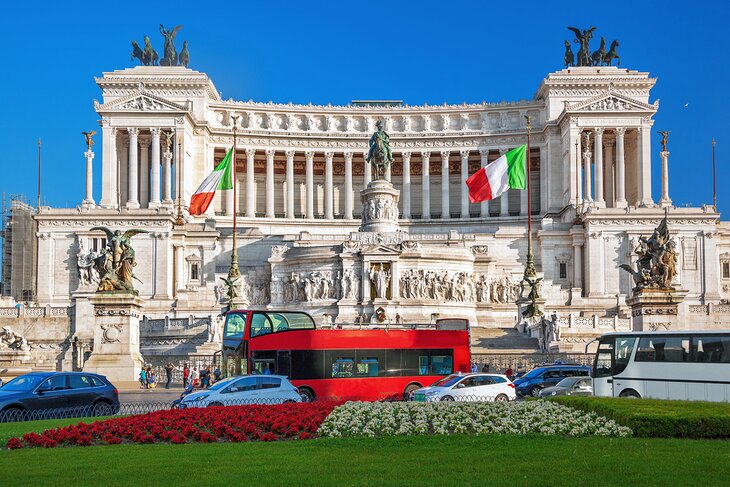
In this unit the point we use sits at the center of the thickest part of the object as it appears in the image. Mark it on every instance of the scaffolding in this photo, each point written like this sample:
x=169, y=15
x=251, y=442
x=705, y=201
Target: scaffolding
x=18, y=248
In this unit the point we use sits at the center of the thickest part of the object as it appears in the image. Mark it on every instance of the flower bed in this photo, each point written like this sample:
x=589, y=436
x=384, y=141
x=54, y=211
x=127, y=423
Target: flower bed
x=446, y=418
x=213, y=424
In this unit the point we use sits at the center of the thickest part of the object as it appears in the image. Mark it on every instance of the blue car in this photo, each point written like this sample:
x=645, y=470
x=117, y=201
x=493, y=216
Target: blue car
x=57, y=394
x=539, y=378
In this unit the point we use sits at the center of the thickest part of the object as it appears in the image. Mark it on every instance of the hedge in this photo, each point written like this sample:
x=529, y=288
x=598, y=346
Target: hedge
x=655, y=418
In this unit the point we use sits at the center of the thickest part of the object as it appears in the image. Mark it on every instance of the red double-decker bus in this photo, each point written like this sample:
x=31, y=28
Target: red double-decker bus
x=349, y=363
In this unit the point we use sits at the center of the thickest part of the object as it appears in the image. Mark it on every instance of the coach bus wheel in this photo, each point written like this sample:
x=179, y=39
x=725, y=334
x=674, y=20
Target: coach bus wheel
x=306, y=394
x=409, y=389
x=630, y=393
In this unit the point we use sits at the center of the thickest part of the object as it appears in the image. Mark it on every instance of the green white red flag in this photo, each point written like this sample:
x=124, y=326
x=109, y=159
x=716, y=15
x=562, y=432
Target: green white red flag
x=220, y=178
x=507, y=172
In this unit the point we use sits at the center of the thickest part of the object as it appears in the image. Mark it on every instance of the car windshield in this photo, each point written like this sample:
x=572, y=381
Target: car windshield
x=221, y=384
x=533, y=373
x=568, y=382
x=24, y=383
x=447, y=381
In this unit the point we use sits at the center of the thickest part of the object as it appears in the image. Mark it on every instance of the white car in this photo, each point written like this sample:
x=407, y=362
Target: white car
x=247, y=389
x=468, y=387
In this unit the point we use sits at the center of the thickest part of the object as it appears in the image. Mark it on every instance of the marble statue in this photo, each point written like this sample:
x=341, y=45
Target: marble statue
x=89, y=141
x=656, y=265
x=85, y=260
x=665, y=138
x=380, y=155
x=116, y=262
x=12, y=341
x=380, y=277
x=170, y=54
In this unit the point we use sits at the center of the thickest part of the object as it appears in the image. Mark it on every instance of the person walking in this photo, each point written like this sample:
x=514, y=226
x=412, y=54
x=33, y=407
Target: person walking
x=216, y=374
x=206, y=377
x=186, y=376
x=508, y=372
x=195, y=377
x=485, y=368
x=149, y=376
x=143, y=379
x=168, y=371
x=474, y=367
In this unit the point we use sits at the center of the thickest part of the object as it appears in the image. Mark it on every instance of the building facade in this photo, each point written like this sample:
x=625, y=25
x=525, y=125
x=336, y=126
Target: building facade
x=299, y=173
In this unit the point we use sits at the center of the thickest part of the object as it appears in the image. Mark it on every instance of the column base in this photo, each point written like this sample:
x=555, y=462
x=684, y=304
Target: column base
x=599, y=204
x=167, y=202
x=621, y=204
x=646, y=204
x=665, y=203
x=88, y=204
x=153, y=205
x=132, y=205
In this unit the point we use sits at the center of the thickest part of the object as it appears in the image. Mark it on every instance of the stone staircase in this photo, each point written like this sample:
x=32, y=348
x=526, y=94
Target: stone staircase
x=501, y=340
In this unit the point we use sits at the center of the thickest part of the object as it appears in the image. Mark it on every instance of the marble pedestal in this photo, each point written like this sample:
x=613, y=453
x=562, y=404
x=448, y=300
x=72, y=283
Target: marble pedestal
x=379, y=207
x=655, y=309
x=116, y=337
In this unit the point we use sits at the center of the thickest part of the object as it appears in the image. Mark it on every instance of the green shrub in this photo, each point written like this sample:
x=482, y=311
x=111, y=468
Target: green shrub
x=656, y=418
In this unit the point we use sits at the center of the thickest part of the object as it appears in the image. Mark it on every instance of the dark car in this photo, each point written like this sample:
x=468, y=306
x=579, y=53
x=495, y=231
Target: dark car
x=539, y=378
x=58, y=394
x=570, y=386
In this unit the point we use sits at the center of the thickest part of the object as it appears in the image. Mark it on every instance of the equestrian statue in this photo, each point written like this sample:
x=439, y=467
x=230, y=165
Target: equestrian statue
x=380, y=155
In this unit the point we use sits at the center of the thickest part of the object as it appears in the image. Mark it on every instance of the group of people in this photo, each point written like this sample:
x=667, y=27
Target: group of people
x=203, y=378
x=486, y=368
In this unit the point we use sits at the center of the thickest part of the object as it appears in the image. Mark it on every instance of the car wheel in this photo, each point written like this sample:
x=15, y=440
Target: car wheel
x=288, y=401
x=409, y=390
x=447, y=398
x=101, y=408
x=630, y=393
x=215, y=403
x=535, y=391
x=501, y=398
x=306, y=394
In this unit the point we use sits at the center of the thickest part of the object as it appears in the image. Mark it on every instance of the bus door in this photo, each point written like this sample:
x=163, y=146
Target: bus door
x=602, y=368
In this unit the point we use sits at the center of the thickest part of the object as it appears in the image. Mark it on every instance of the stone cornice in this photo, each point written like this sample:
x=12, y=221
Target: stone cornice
x=406, y=109
x=157, y=78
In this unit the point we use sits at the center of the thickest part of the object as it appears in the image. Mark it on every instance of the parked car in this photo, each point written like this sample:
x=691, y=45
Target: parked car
x=468, y=387
x=570, y=386
x=62, y=393
x=249, y=389
x=539, y=378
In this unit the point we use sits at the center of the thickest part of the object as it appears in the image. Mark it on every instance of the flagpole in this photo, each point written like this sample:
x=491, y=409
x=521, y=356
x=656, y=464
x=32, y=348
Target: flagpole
x=234, y=273
x=530, y=265
x=714, y=178
x=39, y=174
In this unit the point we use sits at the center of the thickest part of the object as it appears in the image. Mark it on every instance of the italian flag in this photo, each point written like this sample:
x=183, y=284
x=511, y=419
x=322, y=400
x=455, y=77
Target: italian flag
x=220, y=178
x=497, y=177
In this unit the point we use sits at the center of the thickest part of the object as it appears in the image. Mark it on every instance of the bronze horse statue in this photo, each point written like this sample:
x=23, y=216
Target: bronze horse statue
x=150, y=55
x=568, y=58
x=612, y=54
x=137, y=52
x=598, y=56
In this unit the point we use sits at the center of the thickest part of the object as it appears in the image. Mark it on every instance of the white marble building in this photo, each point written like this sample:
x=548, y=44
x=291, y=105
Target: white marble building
x=300, y=169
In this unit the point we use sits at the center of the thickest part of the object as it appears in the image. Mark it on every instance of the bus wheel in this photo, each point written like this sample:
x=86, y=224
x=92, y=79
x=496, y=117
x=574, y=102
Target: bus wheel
x=306, y=394
x=409, y=389
x=630, y=393
x=447, y=398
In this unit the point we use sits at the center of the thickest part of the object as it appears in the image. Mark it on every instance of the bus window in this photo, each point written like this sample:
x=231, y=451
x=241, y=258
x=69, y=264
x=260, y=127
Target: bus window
x=343, y=367
x=260, y=324
x=663, y=349
x=442, y=364
x=235, y=324
x=368, y=367
x=622, y=355
x=604, y=356
x=711, y=349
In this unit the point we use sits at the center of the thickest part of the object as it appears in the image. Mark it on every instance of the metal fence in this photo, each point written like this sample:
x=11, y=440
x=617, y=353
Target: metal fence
x=518, y=362
x=195, y=363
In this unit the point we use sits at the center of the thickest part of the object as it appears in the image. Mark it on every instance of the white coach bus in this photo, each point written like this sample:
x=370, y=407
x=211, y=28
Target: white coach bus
x=690, y=365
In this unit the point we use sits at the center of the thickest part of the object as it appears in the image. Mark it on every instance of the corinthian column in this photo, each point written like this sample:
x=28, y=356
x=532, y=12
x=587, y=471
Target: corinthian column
x=620, y=169
x=349, y=199
x=664, y=202
x=328, y=186
x=464, y=190
x=132, y=181
x=484, y=205
x=445, y=207
x=426, y=186
x=598, y=149
x=167, y=178
x=89, y=200
x=270, y=184
x=250, y=183
x=109, y=167
x=155, y=170
x=406, y=197
x=504, y=198
x=144, y=172
x=290, y=184
x=587, y=179
x=309, y=158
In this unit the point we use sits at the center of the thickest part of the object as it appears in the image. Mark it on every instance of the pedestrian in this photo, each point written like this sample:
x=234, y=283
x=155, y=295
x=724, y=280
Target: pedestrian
x=206, y=379
x=186, y=376
x=195, y=378
x=143, y=379
x=474, y=367
x=217, y=374
x=485, y=368
x=508, y=372
x=152, y=378
x=149, y=376
x=266, y=370
x=168, y=371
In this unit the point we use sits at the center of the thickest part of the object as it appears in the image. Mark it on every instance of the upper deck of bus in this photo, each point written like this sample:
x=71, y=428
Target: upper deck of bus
x=664, y=333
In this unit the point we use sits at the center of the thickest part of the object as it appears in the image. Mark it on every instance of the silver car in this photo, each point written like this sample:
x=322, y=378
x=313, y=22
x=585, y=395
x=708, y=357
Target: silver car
x=570, y=386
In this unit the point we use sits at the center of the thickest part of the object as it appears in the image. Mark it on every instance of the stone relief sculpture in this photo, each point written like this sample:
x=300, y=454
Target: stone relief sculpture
x=380, y=277
x=116, y=262
x=656, y=266
x=380, y=209
x=12, y=341
x=317, y=286
x=456, y=286
x=380, y=155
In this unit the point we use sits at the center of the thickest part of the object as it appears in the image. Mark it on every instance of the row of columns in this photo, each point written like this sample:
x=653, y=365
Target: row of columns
x=141, y=158
x=406, y=193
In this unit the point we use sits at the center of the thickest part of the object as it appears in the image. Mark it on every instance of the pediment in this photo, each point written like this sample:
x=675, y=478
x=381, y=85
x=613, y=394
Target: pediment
x=141, y=101
x=380, y=250
x=611, y=101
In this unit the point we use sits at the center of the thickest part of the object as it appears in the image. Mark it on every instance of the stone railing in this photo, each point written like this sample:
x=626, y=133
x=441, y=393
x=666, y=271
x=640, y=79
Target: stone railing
x=167, y=325
x=594, y=322
x=709, y=309
x=48, y=311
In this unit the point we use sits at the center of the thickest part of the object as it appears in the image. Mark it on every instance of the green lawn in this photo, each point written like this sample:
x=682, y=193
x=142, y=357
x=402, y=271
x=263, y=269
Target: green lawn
x=434, y=460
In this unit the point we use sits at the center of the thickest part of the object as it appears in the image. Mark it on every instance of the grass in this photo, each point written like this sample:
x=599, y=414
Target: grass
x=418, y=460
x=659, y=418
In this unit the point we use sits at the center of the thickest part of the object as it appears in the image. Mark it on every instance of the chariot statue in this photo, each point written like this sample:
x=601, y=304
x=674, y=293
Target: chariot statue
x=380, y=155
x=656, y=266
x=116, y=262
x=583, y=38
x=170, y=54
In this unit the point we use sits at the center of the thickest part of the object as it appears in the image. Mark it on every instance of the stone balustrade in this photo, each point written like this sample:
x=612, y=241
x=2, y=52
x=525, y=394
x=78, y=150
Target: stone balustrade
x=22, y=311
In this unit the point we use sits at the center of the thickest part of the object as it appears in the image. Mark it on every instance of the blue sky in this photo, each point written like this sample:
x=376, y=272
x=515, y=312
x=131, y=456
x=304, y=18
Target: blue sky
x=320, y=52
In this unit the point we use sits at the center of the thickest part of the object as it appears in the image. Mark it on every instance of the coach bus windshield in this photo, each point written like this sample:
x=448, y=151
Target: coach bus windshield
x=612, y=356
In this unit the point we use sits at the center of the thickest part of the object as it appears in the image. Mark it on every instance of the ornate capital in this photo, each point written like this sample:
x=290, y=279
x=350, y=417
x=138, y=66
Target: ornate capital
x=484, y=153
x=445, y=155
x=599, y=131
x=89, y=154
x=133, y=131
x=270, y=154
x=464, y=153
x=348, y=156
x=290, y=154
x=426, y=155
x=309, y=155
x=155, y=131
x=329, y=154
x=620, y=131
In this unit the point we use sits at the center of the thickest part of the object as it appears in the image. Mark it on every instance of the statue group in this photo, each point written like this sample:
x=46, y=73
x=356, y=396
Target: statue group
x=656, y=266
x=149, y=57
x=599, y=57
x=380, y=156
x=113, y=266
